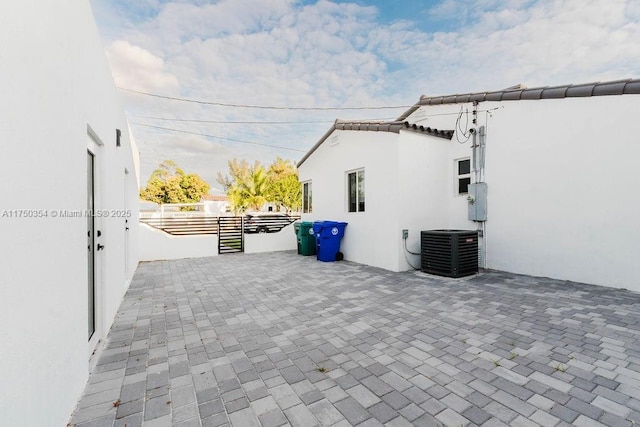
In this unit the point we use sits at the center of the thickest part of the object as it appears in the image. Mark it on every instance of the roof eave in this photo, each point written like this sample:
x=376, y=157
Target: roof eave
x=516, y=93
x=381, y=126
x=389, y=127
x=318, y=144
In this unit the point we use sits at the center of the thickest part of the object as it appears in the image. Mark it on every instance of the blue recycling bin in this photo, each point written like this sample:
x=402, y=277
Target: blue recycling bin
x=328, y=237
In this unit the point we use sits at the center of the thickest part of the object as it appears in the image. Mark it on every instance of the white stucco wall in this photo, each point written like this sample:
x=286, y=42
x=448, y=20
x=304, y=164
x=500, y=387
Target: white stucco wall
x=157, y=245
x=283, y=240
x=424, y=165
x=560, y=174
x=55, y=85
x=370, y=236
x=441, y=156
x=562, y=201
x=409, y=185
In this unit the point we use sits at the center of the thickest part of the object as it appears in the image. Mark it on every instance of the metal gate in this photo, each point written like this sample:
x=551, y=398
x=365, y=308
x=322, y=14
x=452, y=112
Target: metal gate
x=230, y=234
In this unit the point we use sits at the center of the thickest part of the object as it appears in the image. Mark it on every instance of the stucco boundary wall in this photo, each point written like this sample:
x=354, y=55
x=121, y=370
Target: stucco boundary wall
x=157, y=245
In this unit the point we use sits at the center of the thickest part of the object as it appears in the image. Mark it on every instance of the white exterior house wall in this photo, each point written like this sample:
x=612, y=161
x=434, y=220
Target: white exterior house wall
x=425, y=193
x=216, y=207
x=370, y=236
x=409, y=184
x=560, y=176
x=558, y=173
x=58, y=101
x=443, y=185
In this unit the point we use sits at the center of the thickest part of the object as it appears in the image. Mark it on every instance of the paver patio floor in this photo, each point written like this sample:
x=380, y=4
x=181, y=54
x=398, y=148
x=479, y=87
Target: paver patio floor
x=280, y=339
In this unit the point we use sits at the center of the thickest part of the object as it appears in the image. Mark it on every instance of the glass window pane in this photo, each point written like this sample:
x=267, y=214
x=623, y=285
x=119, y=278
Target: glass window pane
x=310, y=198
x=305, y=195
x=463, y=185
x=361, y=191
x=304, y=198
x=464, y=167
x=352, y=192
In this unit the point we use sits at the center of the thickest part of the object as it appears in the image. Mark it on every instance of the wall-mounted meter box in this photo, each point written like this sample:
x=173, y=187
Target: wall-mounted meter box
x=477, y=197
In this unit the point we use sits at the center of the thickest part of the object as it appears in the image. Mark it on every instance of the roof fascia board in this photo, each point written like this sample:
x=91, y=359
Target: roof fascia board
x=616, y=87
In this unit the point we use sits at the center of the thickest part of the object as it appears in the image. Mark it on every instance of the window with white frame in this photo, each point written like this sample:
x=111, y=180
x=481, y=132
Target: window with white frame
x=463, y=176
x=306, y=197
x=355, y=190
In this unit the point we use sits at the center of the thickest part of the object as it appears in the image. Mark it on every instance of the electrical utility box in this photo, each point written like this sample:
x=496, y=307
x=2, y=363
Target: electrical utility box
x=478, y=201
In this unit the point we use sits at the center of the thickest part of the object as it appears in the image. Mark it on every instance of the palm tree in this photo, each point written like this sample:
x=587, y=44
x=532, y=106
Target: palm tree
x=254, y=188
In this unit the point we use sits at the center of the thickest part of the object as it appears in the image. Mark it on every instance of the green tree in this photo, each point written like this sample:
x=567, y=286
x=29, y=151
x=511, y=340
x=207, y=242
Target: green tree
x=238, y=170
x=246, y=185
x=251, y=186
x=169, y=184
x=284, y=189
x=255, y=189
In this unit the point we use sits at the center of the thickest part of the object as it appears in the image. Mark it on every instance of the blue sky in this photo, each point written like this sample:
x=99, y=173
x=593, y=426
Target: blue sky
x=419, y=12
x=337, y=53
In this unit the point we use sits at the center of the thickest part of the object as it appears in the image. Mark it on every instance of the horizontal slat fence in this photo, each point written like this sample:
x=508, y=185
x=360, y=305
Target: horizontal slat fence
x=184, y=226
x=194, y=225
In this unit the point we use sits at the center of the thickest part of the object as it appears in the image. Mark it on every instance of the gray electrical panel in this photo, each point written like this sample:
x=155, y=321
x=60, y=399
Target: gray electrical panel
x=478, y=201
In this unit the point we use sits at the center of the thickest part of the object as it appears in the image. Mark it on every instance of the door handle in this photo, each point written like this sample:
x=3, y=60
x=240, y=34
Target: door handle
x=100, y=247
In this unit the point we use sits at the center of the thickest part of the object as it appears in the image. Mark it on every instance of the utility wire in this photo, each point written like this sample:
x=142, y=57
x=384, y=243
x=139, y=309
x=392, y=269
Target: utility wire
x=466, y=127
x=267, y=122
x=405, y=248
x=219, y=137
x=424, y=117
x=406, y=257
x=263, y=107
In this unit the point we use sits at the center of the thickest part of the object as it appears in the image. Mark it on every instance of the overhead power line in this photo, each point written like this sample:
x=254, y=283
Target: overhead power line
x=231, y=122
x=262, y=107
x=218, y=137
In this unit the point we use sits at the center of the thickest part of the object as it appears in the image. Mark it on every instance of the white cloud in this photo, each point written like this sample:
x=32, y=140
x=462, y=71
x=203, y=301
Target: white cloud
x=195, y=154
x=449, y=9
x=550, y=42
x=277, y=52
x=136, y=68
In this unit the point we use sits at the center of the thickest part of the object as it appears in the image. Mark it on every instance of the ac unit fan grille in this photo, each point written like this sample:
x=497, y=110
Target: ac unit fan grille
x=451, y=253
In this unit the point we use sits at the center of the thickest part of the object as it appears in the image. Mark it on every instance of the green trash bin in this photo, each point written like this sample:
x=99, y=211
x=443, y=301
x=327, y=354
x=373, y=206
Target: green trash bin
x=307, y=239
x=296, y=229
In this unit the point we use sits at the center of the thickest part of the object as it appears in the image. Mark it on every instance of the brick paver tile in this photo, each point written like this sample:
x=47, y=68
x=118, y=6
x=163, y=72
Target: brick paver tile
x=326, y=413
x=301, y=416
x=352, y=410
x=279, y=339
